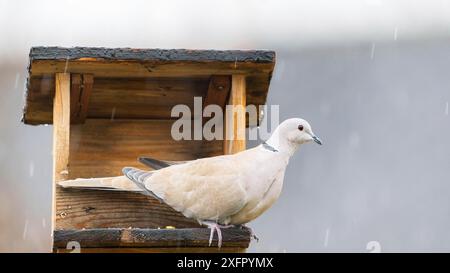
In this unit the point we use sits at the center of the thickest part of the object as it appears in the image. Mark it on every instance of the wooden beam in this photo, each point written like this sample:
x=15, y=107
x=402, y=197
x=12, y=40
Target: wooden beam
x=154, y=250
x=75, y=92
x=143, y=69
x=61, y=133
x=80, y=93
x=235, y=122
x=61, y=126
x=133, y=98
x=218, y=92
x=144, y=237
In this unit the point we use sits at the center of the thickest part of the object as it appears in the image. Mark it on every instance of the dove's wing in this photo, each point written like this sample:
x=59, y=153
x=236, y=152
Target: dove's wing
x=204, y=189
x=157, y=164
x=138, y=177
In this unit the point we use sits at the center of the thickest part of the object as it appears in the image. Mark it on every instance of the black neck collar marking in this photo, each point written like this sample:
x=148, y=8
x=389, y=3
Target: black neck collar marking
x=268, y=147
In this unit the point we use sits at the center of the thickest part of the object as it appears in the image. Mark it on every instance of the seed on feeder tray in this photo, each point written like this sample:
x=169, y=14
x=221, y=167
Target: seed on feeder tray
x=170, y=227
x=63, y=215
x=64, y=172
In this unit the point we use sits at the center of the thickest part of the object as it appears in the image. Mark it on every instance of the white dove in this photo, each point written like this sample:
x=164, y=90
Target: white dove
x=220, y=191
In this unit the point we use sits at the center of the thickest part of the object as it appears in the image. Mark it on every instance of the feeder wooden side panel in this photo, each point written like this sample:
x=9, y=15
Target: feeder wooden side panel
x=143, y=98
x=101, y=148
x=79, y=208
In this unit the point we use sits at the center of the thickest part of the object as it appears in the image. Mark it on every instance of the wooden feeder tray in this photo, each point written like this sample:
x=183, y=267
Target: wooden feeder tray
x=110, y=106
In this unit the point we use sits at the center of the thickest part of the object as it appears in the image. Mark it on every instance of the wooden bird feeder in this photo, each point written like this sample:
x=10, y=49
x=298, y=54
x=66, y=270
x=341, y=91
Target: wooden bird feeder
x=110, y=106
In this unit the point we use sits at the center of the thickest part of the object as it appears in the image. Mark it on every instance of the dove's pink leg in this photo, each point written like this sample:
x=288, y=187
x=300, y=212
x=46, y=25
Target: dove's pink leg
x=215, y=227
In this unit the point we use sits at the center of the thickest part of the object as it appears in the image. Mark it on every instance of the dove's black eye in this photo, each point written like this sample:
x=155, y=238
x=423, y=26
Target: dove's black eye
x=300, y=127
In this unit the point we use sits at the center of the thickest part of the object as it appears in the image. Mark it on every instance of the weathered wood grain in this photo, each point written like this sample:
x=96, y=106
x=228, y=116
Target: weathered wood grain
x=119, y=54
x=235, y=120
x=102, y=147
x=79, y=208
x=143, y=98
x=61, y=133
x=80, y=92
x=136, y=238
x=75, y=94
x=218, y=92
x=142, y=69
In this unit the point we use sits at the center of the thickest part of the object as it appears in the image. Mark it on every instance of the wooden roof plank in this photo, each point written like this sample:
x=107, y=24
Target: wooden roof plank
x=125, y=64
x=183, y=55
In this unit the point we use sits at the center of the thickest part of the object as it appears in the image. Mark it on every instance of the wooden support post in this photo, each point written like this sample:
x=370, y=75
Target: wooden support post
x=61, y=133
x=234, y=133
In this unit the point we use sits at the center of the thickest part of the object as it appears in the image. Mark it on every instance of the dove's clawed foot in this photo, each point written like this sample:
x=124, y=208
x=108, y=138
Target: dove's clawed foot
x=252, y=234
x=215, y=227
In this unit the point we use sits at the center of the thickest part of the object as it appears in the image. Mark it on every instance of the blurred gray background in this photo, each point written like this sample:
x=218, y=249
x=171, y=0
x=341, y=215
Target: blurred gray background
x=372, y=77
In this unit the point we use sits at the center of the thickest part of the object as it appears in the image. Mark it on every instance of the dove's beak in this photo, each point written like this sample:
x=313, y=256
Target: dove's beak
x=317, y=140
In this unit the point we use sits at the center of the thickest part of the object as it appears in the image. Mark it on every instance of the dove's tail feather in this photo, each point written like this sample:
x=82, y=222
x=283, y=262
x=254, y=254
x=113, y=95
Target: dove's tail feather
x=116, y=183
x=132, y=181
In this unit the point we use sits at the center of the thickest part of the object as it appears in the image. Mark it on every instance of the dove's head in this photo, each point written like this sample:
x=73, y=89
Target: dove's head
x=291, y=133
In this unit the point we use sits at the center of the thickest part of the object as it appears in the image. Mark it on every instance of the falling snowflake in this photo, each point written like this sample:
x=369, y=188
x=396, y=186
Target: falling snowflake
x=31, y=169
x=25, y=230
x=17, y=80
x=327, y=236
x=372, y=51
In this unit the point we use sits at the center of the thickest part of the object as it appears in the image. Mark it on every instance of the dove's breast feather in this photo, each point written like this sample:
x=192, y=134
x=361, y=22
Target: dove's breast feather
x=204, y=189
